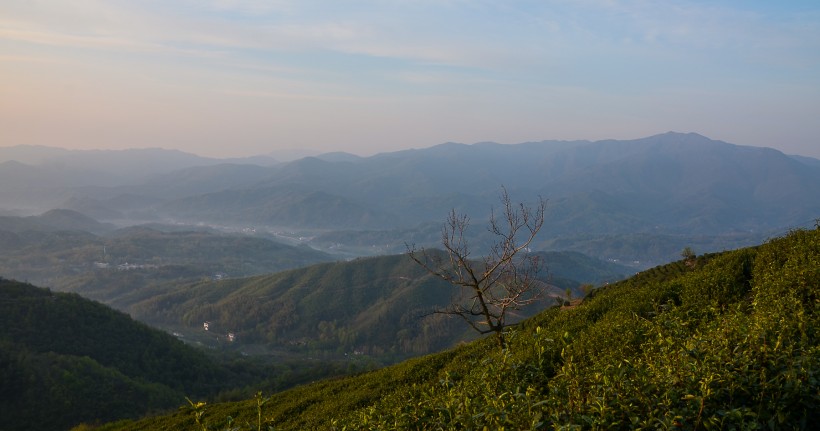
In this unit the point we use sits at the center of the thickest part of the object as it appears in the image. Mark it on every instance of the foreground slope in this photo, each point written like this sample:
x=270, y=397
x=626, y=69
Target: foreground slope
x=722, y=341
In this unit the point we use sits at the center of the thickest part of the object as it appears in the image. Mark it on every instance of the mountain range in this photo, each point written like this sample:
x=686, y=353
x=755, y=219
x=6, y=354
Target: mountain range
x=659, y=193
x=305, y=261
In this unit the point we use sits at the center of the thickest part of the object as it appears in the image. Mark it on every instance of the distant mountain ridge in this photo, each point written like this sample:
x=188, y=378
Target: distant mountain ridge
x=677, y=181
x=118, y=167
x=54, y=220
x=667, y=185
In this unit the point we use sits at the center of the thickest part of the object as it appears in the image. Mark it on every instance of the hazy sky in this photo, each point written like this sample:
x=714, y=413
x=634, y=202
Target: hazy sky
x=244, y=77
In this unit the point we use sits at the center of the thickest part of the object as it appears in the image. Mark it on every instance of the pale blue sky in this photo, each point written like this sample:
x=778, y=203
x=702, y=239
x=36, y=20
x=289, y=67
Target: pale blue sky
x=244, y=77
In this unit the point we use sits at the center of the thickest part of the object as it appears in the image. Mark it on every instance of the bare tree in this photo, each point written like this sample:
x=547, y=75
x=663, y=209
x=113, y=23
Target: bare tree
x=503, y=280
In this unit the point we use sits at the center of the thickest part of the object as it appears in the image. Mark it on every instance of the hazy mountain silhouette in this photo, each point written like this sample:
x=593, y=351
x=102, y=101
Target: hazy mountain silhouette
x=664, y=185
x=672, y=183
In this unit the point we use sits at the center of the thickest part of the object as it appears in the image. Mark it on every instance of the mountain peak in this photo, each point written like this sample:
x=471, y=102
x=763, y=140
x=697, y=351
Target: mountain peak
x=680, y=137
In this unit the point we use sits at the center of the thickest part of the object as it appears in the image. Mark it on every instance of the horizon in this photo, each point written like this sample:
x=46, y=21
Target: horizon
x=240, y=78
x=290, y=154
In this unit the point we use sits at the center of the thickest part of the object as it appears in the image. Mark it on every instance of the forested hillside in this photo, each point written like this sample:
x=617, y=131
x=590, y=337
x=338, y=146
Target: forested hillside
x=378, y=307
x=725, y=341
x=65, y=359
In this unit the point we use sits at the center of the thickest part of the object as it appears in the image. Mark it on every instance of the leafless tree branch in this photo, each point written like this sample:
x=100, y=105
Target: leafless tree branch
x=503, y=280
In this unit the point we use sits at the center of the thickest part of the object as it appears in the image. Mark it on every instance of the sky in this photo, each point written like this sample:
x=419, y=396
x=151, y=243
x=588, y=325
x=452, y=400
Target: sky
x=233, y=78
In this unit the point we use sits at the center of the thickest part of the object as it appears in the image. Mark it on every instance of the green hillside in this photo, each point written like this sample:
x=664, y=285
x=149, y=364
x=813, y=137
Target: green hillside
x=65, y=359
x=373, y=306
x=726, y=341
x=377, y=307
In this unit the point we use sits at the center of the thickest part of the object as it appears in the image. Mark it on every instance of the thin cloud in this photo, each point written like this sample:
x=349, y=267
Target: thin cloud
x=502, y=62
x=27, y=59
x=77, y=41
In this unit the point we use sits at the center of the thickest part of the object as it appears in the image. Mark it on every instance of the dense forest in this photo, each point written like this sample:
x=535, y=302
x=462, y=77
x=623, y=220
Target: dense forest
x=65, y=360
x=721, y=341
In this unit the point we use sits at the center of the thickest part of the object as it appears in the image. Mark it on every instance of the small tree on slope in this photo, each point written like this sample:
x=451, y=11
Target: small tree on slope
x=501, y=281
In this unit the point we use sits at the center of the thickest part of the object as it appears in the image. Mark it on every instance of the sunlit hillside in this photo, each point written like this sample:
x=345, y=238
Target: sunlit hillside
x=725, y=341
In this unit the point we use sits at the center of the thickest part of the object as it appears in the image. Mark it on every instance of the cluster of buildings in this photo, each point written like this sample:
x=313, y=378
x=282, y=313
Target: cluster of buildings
x=231, y=336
